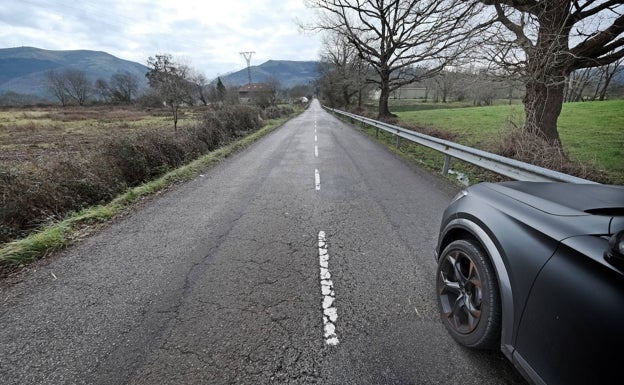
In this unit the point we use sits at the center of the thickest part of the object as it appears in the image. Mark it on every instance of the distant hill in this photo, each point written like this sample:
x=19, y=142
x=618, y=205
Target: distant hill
x=288, y=73
x=23, y=69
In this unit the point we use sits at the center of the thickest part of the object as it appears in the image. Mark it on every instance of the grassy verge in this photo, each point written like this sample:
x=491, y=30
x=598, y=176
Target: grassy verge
x=59, y=235
x=591, y=132
x=430, y=159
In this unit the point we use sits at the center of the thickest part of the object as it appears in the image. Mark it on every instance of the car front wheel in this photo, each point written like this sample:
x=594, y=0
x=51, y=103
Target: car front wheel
x=468, y=297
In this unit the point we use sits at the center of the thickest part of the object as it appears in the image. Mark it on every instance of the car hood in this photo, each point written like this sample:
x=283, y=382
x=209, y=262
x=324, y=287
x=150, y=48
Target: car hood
x=566, y=199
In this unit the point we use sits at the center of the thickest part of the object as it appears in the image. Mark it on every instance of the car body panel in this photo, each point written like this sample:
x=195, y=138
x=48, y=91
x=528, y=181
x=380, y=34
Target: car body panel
x=571, y=330
x=617, y=224
x=536, y=235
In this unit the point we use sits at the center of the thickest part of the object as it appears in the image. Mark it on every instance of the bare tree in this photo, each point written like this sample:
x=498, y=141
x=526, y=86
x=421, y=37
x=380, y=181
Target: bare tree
x=328, y=85
x=345, y=70
x=546, y=40
x=57, y=86
x=577, y=82
x=446, y=82
x=170, y=80
x=200, y=84
x=300, y=91
x=393, y=36
x=102, y=89
x=607, y=73
x=78, y=86
x=124, y=87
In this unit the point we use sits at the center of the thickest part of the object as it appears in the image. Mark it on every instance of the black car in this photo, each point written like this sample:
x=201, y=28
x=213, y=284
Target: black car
x=537, y=270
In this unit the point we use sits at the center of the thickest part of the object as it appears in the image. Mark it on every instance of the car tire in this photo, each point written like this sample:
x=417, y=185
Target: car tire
x=468, y=295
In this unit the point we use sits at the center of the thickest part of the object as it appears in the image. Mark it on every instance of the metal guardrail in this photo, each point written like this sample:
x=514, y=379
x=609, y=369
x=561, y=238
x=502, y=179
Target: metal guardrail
x=511, y=168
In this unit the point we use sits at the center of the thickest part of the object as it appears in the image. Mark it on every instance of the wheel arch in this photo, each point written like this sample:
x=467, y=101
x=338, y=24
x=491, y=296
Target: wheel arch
x=462, y=228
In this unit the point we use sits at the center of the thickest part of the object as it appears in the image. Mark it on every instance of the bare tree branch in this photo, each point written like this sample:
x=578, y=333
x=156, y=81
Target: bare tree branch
x=395, y=36
x=553, y=38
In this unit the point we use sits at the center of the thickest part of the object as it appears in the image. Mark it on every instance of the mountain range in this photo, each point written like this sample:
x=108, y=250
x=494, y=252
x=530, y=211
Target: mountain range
x=23, y=70
x=287, y=72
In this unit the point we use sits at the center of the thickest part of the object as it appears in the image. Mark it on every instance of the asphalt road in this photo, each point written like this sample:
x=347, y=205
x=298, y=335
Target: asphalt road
x=307, y=258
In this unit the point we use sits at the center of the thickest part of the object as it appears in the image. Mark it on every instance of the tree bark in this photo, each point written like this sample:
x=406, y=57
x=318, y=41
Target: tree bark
x=384, y=111
x=547, y=70
x=542, y=105
x=384, y=96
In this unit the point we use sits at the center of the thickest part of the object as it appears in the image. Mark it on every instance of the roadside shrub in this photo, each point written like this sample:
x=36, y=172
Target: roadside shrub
x=272, y=112
x=82, y=182
x=239, y=120
x=124, y=155
x=527, y=147
x=44, y=189
x=210, y=131
x=147, y=155
x=23, y=194
x=230, y=122
x=37, y=192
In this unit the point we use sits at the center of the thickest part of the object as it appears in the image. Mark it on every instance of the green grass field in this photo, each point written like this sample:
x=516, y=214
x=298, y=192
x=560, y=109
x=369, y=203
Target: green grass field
x=592, y=132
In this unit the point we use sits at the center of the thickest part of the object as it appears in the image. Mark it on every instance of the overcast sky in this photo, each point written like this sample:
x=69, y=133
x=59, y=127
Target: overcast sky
x=206, y=34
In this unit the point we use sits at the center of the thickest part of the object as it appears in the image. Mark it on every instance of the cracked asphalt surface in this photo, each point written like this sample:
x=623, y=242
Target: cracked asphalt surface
x=217, y=281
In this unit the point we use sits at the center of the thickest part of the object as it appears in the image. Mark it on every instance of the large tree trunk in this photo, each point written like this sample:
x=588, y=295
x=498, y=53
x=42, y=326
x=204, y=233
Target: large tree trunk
x=542, y=106
x=547, y=71
x=384, y=96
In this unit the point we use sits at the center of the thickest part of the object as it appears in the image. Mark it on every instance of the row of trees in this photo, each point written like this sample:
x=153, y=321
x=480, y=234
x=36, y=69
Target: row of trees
x=172, y=84
x=73, y=87
x=593, y=83
x=540, y=43
x=344, y=87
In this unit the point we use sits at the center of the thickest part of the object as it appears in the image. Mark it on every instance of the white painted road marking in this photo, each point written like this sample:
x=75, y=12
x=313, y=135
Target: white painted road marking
x=317, y=179
x=316, y=151
x=330, y=314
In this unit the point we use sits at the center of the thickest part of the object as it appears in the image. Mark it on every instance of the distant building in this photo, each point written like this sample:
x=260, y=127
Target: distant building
x=410, y=91
x=255, y=92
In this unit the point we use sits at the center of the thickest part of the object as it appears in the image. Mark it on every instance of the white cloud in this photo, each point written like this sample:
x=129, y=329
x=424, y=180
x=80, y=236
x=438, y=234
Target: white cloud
x=208, y=35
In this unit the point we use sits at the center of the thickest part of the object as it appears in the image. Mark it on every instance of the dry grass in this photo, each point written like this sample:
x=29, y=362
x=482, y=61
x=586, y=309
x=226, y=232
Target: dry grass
x=57, y=161
x=530, y=148
x=43, y=132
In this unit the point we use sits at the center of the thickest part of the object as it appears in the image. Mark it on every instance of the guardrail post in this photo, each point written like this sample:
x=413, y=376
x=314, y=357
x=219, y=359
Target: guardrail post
x=398, y=142
x=376, y=132
x=447, y=164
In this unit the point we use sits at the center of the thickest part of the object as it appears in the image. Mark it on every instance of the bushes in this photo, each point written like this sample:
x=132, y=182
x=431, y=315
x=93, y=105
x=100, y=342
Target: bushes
x=37, y=192
x=274, y=112
x=533, y=149
x=46, y=189
x=147, y=155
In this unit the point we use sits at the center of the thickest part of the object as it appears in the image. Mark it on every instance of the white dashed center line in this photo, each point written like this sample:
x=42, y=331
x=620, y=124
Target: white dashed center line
x=317, y=179
x=316, y=151
x=330, y=314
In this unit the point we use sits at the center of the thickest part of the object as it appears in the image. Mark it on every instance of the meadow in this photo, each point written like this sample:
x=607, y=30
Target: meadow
x=592, y=133
x=56, y=162
x=37, y=133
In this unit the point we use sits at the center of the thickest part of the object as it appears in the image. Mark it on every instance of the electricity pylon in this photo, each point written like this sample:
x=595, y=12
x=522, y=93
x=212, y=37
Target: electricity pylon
x=247, y=56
